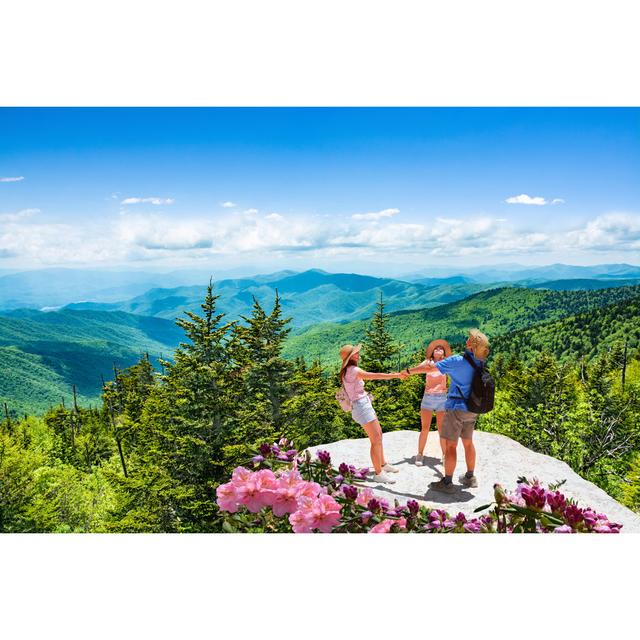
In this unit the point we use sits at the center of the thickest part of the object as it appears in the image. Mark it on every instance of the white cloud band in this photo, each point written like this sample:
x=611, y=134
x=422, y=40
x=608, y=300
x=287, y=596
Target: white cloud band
x=151, y=200
x=523, y=198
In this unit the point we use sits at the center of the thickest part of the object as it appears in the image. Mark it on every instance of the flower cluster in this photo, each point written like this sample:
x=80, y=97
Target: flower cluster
x=284, y=492
x=288, y=491
x=551, y=511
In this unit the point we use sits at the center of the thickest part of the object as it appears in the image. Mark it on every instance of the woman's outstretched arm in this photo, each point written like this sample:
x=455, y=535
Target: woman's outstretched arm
x=367, y=375
x=423, y=367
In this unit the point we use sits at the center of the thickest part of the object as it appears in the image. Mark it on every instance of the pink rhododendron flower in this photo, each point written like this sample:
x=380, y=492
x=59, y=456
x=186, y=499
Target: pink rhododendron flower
x=556, y=501
x=257, y=491
x=240, y=475
x=565, y=528
x=322, y=514
x=285, y=499
x=534, y=497
x=385, y=525
x=227, y=497
x=365, y=496
x=472, y=526
x=290, y=487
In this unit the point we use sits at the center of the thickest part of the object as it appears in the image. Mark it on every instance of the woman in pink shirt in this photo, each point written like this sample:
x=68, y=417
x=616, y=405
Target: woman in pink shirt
x=361, y=408
x=435, y=395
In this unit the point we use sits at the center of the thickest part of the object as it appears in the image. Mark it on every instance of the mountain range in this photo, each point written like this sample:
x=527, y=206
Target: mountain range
x=309, y=297
x=42, y=354
x=57, y=287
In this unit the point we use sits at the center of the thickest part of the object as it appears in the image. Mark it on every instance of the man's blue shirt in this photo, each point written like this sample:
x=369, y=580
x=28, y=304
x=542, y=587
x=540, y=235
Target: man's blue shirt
x=461, y=374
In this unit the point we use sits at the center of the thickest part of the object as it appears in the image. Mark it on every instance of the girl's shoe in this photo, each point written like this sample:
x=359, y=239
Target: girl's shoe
x=383, y=479
x=389, y=469
x=419, y=460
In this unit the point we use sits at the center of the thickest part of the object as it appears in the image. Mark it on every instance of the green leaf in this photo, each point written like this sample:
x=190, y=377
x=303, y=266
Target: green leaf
x=482, y=508
x=228, y=528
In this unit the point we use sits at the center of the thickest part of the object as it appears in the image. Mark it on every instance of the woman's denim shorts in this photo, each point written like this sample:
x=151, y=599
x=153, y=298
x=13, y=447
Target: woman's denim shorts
x=433, y=401
x=362, y=411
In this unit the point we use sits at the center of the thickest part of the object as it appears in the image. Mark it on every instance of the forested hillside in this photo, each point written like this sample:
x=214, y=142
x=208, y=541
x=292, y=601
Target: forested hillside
x=496, y=312
x=585, y=334
x=44, y=354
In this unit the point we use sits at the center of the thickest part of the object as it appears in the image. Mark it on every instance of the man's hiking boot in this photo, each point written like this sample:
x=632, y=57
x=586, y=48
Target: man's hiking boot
x=442, y=487
x=468, y=482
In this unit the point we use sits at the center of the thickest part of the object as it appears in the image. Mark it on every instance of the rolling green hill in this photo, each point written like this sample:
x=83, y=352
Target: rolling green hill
x=496, y=312
x=44, y=354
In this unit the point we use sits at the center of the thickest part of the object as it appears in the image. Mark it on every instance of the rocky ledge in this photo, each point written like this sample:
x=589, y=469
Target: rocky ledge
x=499, y=459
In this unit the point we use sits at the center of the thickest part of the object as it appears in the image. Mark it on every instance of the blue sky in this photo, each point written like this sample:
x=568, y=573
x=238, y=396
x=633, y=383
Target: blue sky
x=318, y=187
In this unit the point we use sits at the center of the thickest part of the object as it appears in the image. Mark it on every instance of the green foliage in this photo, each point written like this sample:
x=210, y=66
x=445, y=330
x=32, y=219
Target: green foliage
x=150, y=457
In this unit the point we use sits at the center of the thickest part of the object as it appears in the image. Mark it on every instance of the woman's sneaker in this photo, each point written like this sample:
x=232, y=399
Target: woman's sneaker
x=419, y=461
x=382, y=479
x=389, y=469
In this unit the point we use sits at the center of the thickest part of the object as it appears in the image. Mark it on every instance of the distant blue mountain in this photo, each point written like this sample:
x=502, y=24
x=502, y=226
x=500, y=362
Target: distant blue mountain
x=309, y=297
x=519, y=273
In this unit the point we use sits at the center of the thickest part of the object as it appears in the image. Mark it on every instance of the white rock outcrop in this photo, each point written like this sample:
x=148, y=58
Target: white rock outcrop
x=499, y=459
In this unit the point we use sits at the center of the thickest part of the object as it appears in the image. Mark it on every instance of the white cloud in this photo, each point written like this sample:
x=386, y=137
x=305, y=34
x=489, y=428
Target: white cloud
x=151, y=200
x=18, y=215
x=251, y=212
x=16, y=179
x=611, y=231
x=378, y=215
x=228, y=204
x=523, y=198
x=157, y=236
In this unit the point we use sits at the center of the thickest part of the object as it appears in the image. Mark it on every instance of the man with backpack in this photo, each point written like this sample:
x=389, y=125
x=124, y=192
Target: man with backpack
x=471, y=392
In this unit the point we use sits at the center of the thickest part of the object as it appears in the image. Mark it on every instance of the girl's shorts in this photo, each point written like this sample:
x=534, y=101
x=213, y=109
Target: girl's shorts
x=362, y=411
x=433, y=401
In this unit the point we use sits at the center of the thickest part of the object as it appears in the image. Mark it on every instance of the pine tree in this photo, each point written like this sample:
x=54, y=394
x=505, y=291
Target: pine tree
x=186, y=419
x=267, y=372
x=379, y=348
x=379, y=352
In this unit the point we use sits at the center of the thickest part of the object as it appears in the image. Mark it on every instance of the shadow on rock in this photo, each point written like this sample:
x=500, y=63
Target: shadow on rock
x=447, y=498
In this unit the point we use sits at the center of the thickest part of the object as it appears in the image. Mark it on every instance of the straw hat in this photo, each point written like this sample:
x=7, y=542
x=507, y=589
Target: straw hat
x=438, y=343
x=346, y=352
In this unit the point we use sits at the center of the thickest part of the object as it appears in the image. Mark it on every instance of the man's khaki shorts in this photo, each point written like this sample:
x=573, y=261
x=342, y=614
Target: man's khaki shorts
x=458, y=424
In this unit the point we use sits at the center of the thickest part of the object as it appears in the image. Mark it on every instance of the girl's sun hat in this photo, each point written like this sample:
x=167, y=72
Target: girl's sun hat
x=434, y=344
x=346, y=352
